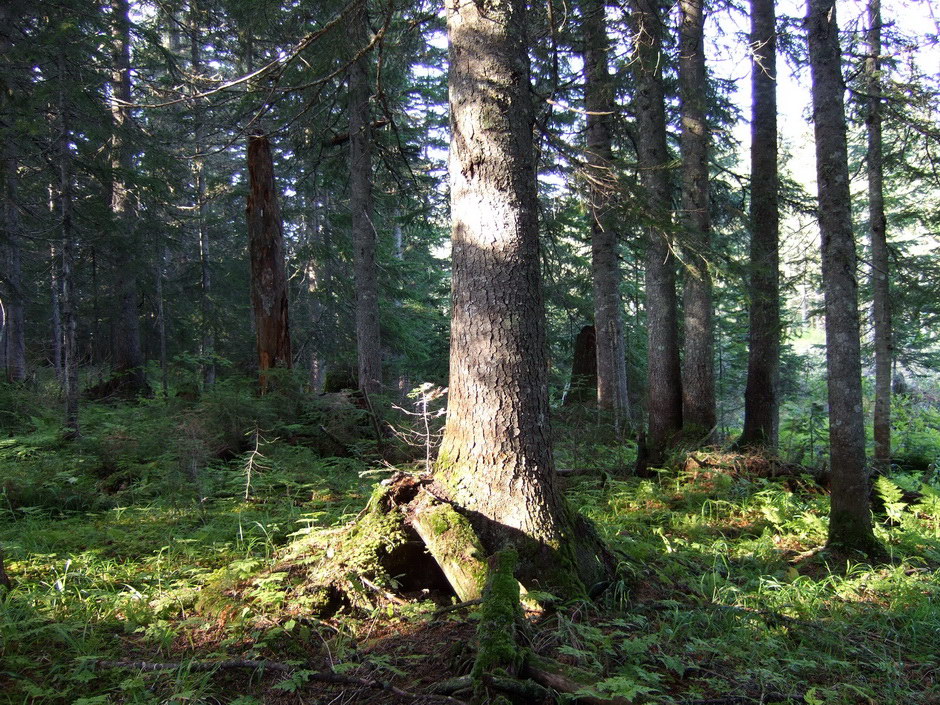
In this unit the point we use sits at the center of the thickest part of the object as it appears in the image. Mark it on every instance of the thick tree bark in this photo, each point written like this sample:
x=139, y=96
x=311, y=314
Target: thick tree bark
x=67, y=258
x=879, y=245
x=368, y=339
x=608, y=308
x=664, y=380
x=698, y=367
x=269, y=294
x=128, y=355
x=583, y=389
x=850, y=517
x=761, y=396
x=496, y=460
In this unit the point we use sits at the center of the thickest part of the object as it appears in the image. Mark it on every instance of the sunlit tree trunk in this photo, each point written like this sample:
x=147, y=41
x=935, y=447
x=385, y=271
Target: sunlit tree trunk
x=761, y=396
x=128, y=355
x=368, y=340
x=698, y=367
x=664, y=379
x=269, y=295
x=879, y=244
x=496, y=458
x=850, y=518
x=608, y=308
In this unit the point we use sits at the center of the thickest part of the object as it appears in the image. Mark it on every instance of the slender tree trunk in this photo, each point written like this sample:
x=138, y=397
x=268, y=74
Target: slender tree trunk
x=266, y=249
x=207, y=340
x=496, y=459
x=14, y=324
x=56, y=305
x=761, y=396
x=608, y=308
x=850, y=518
x=698, y=366
x=161, y=319
x=879, y=245
x=368, y=340
x=128, y=355
x=67, y=299
x=664, y=381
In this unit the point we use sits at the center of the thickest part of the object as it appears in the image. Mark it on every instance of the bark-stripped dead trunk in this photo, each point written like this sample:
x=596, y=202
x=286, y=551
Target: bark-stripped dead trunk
x=698, y=367
x=266, y=250
x=664, y=377
x=368, y=339
x=608, y=308
x=850, y=518
x=128, y=355
x=495, y=460
x=879, y=244
x=761, y=402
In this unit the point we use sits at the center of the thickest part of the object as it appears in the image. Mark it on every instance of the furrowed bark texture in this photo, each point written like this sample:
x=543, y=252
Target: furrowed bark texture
x=664, y=380
x=880, y=272
x=608, y=309
x=496, y=459
x=128, y=355
x=269, y=293
x=761, y=395
x=368, y=339
x=698, y=368
x=850, y=518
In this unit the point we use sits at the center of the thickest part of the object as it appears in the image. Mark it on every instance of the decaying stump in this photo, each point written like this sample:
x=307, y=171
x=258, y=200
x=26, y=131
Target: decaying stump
x=583, y=389
x=4, y=578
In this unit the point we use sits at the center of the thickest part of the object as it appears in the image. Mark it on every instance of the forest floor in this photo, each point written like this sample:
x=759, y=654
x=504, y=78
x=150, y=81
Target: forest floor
x=723, y=595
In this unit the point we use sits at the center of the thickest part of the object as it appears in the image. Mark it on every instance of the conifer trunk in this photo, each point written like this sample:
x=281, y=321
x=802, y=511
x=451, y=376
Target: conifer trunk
x=495, y=460
x=850, y=518
x=368, y=339
x=761, y=402
x=698, y=367
x=880, y=271
x=128, y=355
x=67, y=299
x=269, y=295
x=664, y=380
x=14, y=323
x=608, y=308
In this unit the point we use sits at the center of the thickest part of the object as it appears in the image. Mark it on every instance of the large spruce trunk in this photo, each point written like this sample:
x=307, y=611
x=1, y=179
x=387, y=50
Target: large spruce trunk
x=850, y=518
x=664, y=381
x=496, y=459
x=698, y=368
x=602, y=178
x=881, y=301
x=128, y=355
x=269, y=295
x=368, y=339
x=761, y=404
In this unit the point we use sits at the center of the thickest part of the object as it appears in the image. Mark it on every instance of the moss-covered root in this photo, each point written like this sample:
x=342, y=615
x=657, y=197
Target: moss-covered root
x=498, y=655
x=566, y=679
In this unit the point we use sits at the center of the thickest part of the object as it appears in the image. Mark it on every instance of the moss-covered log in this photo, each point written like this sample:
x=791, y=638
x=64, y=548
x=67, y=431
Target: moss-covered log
x=498, y=655
x=453, y=543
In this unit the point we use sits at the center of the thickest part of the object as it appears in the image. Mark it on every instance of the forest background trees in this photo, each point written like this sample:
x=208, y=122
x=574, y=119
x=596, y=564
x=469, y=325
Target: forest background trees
x=673, y=215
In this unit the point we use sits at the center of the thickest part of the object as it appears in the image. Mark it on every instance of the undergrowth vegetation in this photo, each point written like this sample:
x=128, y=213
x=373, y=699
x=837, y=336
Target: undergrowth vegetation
x=174, y=532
